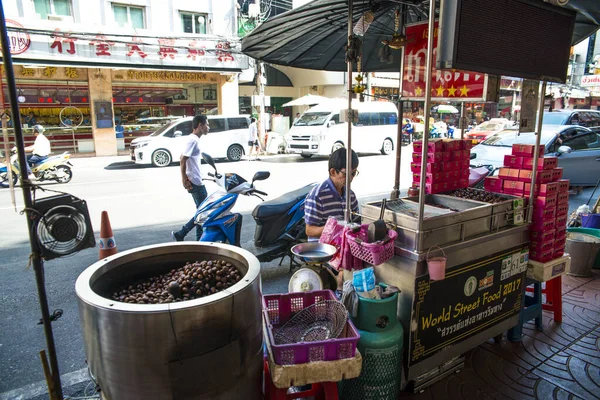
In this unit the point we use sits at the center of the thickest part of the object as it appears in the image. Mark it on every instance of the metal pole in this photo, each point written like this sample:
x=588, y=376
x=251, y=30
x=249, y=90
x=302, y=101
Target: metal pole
x=396, y=191
x=536, y=151
x=36, y=260
x=463, y=120
x=430, y=46
x=348, y=211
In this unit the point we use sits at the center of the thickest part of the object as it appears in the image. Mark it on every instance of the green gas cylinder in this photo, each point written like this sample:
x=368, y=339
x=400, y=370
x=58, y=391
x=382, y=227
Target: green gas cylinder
x=380, y=344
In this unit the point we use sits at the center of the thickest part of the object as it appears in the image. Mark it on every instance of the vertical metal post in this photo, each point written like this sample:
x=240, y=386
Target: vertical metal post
x=462, y=125
x=348, y=211
x=536, y=151
x=37, y=262
x=430, y=46
x=396, y=190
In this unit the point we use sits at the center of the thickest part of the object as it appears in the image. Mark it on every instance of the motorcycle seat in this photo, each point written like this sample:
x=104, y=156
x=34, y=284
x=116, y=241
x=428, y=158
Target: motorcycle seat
x=281, y=204
x=477, y=174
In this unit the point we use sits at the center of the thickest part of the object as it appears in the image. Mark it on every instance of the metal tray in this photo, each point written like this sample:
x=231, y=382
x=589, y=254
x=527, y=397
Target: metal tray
x=471, y=219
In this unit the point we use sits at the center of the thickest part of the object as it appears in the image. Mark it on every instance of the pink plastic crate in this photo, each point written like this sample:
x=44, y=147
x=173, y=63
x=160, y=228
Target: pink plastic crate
x=544, y=214
x=562, y=198
x=541, y=236
x=557, y=174
x=544, y=225
x=372, y=253
x=279, y=308
x=563, y=185
x=562, y=209
x=540, y=256
x=561, y=221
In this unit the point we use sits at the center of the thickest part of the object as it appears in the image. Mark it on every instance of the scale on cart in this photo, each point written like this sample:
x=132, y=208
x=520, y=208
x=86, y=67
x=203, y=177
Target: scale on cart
x=316, y=274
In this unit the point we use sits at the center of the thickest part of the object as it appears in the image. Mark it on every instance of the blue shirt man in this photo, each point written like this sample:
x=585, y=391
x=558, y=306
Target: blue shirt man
x=328, y=199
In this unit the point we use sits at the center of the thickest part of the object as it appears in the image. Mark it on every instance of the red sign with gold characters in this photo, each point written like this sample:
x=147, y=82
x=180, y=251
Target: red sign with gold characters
x=451, y=85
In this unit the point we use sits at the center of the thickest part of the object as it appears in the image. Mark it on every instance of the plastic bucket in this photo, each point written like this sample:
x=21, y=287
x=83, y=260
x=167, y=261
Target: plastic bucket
x=590, y=221
x=589, y=231
x=583, y=249
x=436, y=265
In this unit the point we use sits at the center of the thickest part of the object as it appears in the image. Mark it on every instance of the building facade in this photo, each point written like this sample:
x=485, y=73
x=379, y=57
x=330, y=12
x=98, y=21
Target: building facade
x=83, y=66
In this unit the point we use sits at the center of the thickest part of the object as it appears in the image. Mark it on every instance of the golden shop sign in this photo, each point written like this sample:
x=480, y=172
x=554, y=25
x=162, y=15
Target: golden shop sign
x=164, y=76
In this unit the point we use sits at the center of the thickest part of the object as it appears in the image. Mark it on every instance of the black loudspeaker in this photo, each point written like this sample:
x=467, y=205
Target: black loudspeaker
x=62, y=226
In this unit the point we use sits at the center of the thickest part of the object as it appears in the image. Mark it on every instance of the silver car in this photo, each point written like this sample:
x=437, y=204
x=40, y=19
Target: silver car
x=577, y=149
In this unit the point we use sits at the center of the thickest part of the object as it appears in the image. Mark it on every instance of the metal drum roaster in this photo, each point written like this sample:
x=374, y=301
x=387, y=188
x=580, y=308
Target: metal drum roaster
x=206, y=348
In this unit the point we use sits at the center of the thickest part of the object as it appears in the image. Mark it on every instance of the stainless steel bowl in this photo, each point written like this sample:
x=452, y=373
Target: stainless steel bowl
x=314, y=252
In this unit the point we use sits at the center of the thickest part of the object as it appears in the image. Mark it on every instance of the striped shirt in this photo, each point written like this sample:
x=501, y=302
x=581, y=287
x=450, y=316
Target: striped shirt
x=324, y=201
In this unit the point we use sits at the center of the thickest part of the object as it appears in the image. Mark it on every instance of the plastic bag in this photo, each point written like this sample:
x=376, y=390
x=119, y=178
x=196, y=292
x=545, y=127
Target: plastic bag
x=364, y=283
x=332, y=234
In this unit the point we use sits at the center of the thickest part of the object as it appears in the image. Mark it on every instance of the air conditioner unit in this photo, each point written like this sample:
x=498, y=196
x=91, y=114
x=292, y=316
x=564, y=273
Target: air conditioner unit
x=54, y=17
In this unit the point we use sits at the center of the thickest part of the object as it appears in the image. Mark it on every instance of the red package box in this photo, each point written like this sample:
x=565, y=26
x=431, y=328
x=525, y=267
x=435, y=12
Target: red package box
x=542, y=176
x=464, y=182
x=561, y=223
x=526, y=150
x=435, y=146
x=561, y=234
x=545, y=189
x=431, y=157
x=455, y=155
x=540, y=256
x=545, y=202
x=558, y=253
x=432, y=188
x=559, y=244
x=543, y=163
x=513, y=161
x=541, y=246
x=454, y=175
x=415, y=167
x=544, y=214
x=547, y=225
x=451, y=144
x=493, y=184
x=513, y=187
x=557, y=174
x=467, y=144
x=417, y=146
x=541, y=236
x=563, y=185
x=562, y=209
x=433, y=177
x=447, y=156
x=451, y=165
x=464, y=173
x=562, y=198
x=510, y=174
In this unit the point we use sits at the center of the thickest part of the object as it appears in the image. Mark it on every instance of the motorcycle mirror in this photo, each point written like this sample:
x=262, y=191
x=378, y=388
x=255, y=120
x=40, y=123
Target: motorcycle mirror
x=261, y=176
x=209, y=160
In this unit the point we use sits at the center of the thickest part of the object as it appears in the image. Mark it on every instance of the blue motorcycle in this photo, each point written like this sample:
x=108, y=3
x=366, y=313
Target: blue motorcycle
x=279, y=222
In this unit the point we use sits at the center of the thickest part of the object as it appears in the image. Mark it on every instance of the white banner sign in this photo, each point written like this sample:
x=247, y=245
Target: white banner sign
x=590, y=80
x=74, y=44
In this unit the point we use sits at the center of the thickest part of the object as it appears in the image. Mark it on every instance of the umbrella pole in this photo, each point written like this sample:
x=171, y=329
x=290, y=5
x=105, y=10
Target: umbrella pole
x=463, y=120
x=348, y=211
x=396, y=191
x=430, y=45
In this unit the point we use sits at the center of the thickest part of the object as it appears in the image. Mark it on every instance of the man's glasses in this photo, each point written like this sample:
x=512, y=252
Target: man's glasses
x=354, y=173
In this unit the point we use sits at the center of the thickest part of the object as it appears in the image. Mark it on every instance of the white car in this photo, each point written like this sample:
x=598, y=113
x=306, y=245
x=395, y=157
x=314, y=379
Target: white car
x=227, y=138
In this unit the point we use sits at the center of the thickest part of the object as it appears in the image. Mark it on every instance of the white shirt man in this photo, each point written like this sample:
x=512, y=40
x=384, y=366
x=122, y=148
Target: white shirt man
x=40, y=149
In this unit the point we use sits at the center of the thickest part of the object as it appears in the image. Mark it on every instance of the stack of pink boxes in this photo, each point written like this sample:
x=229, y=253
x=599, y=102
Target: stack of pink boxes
x=447, y=165
x=551, y=198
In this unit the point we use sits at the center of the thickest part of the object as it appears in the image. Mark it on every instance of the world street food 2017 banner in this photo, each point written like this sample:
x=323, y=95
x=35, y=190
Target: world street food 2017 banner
x=473, y=297
x=447, y=85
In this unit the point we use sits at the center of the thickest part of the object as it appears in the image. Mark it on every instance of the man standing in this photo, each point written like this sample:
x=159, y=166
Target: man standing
x=296, y=119
x=253, y=139
x=328, y=199
x=39, y=149
x=190, y=173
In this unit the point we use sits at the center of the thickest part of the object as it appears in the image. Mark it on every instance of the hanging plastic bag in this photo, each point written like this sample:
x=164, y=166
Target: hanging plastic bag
x=332, y=234
x=364, y=283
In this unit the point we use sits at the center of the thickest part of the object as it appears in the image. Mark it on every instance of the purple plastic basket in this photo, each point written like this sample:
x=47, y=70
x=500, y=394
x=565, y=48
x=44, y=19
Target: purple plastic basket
x=279, y=308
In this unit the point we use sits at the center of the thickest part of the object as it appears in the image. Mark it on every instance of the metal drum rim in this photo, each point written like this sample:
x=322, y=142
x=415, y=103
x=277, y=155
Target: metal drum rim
x=85, y=293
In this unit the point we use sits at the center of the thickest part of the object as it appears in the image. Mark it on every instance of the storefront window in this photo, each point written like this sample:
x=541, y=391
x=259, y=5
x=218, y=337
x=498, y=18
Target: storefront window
x=127, y=16
x=52, y=7
x=193, y=23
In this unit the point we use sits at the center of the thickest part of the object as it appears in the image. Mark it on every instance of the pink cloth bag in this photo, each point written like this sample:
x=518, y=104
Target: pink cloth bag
x=334, y=234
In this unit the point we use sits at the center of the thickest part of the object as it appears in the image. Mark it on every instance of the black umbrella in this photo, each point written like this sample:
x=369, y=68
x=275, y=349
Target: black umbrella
x=314, y=36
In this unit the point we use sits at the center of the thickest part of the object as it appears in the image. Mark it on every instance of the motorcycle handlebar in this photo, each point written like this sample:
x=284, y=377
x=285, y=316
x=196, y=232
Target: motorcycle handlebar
x=259, y=192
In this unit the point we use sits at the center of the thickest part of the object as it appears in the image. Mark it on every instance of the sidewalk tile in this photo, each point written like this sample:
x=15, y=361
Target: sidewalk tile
x=571, y=374
x=587, y=348
x=586, y=296
x=558, y=335
x=575, y=315
x=573, y=282
x=527, y=354
x=534, y=387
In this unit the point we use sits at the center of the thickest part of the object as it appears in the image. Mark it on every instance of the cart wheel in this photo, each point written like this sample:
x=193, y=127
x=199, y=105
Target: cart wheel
x=498, y=338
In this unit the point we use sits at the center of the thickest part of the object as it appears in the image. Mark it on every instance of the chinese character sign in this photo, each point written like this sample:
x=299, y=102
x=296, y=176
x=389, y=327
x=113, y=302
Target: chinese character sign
x=447, y=84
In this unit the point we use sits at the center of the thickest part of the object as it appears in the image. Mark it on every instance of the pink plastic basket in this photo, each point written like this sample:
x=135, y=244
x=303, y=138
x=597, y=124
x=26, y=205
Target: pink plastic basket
x=372, y=253
x=279, y=308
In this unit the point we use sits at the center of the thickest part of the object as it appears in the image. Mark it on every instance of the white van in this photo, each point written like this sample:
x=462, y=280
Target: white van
x=319, y=130
x=227, y=138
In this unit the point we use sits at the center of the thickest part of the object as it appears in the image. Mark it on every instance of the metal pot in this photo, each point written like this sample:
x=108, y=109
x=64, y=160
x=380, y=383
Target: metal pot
x=208, y=348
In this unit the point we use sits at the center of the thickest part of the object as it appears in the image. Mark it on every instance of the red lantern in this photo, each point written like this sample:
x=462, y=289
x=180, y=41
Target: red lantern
x=140, y=99
x=84, y=99
x=127, y=99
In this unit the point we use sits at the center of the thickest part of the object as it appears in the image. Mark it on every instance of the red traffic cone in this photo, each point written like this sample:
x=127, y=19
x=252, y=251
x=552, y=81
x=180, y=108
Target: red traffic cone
x=107, y=243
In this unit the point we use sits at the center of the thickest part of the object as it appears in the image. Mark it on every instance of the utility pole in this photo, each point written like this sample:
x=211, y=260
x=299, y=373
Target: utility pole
x=261, y=81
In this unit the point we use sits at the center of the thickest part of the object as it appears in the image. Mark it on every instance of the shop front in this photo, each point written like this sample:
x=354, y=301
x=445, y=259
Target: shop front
x=65, y=78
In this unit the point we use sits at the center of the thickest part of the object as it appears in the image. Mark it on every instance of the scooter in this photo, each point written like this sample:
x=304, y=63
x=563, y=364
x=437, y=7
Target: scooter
x=213, y=214
x=279, y=222
x=55, y=168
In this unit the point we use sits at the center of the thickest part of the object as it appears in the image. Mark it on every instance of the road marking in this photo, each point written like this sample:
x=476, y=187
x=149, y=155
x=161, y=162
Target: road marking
x=39, y=388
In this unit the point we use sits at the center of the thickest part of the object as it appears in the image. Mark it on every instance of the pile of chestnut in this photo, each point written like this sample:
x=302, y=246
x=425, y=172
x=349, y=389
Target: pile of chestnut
x=192, y=281
x=478, y=195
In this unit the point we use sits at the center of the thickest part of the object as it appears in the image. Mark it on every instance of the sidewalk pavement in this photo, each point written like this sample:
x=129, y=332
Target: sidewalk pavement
x=562, y=362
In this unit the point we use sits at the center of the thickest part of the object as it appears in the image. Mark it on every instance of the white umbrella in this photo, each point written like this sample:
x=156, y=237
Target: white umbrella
x=308, y=100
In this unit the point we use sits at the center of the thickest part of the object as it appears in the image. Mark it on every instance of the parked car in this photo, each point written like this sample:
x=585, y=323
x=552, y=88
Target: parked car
x=227, y=138
x=487, y=128
x=577, y=149
x=587, y=118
